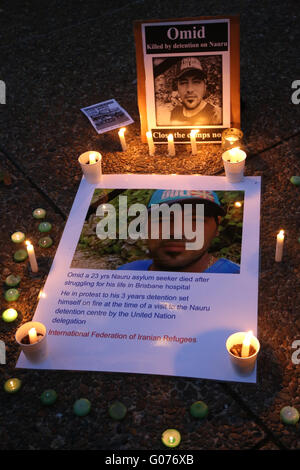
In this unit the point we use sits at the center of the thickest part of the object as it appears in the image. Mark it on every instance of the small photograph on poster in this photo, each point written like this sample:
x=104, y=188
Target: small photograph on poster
x=188, y=90
x=159, y=230
x=107, y=115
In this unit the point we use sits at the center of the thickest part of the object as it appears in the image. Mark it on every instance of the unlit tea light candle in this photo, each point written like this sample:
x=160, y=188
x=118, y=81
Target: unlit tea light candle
x=122, y=138
x=279, y=246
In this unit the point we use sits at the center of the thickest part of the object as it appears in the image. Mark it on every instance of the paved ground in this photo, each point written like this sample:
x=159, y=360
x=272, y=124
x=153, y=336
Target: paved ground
x=56, y=58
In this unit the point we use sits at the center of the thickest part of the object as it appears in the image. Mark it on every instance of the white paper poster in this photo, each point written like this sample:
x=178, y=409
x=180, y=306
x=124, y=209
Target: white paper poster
x=116, y=301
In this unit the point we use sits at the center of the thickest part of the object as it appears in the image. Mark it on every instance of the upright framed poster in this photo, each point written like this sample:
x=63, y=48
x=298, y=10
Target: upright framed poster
x=188, y=76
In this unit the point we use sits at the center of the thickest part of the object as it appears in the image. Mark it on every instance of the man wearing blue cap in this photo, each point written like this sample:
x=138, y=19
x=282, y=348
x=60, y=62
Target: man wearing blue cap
x=171, y=254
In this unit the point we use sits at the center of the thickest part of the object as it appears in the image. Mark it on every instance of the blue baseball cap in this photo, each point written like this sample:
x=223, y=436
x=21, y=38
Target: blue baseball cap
x=170, y=196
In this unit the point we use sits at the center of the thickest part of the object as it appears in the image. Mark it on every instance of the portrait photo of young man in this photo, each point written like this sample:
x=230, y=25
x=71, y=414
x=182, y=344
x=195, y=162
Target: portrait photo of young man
x=188, y=91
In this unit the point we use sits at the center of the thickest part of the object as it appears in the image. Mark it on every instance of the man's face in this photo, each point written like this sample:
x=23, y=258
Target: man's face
x=191, y=90
x=171, y=254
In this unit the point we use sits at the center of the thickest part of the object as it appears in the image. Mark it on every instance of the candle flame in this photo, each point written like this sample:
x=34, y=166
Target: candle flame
x=194, y=132
x=122, y=130
x=238, y=204
x=149, y=134
x=170, y=138
x=281, y=234
x=28, y=243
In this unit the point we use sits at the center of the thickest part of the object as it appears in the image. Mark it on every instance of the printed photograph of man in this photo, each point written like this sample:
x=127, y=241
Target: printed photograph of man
x=188, y=91
x=170, y=254
x=209, y=241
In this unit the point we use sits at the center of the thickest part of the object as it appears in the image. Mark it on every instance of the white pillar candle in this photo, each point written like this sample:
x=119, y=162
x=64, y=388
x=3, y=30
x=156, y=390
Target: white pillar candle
x=171, y=145
x=92, y=158
x=193, y=135
x=122, y=139
x=32, y=258
x=150, y=143
x=279, y=246
x=246, y=344
x=32, y=336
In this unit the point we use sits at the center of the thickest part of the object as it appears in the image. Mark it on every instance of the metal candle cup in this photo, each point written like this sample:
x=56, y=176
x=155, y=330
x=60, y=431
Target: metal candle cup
x=37, y=351
x=234, y=164
x=244, y=365
x=91, y=171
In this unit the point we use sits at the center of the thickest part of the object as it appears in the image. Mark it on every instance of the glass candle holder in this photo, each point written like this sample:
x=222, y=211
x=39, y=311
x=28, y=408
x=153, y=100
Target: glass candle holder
x=231, y=138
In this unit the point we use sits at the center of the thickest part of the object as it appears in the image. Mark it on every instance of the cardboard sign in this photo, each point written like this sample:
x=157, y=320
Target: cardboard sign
x=188, y=77
x=147, y=305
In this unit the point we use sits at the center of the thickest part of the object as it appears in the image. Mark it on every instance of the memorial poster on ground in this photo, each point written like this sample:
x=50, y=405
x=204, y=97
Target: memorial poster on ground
x=124, y=296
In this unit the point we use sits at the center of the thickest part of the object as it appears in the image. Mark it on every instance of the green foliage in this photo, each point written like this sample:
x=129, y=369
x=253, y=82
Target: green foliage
x=229, y=240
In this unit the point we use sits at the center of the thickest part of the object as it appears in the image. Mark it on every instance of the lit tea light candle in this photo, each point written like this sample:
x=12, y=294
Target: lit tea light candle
x=18, y=237
x=39, y=213
x=193, y=136
x=246, y=344
x=171, y=438
x=20, y=255
x=150, y=143
x=12, y=385
x=45, y=227
x=279, y=246
x=122, y=139
x=238, y=204
x=32, y=257
x=9, y=315
x=32, y=336
x=171, y=145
